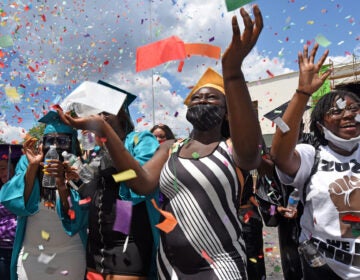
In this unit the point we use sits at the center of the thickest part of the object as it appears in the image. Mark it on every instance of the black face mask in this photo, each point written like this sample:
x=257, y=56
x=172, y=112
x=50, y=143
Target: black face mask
x=205, y=116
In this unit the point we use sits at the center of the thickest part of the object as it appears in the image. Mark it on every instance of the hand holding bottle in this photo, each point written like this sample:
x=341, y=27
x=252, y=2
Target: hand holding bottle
x=291, y=209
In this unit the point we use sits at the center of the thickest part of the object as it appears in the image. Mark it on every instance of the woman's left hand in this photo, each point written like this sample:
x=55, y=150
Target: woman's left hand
x=55, y=168
x=241, y=44
x=310, y=78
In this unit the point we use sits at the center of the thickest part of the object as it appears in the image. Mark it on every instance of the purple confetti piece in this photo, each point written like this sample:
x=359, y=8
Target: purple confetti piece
x=272, y=210
x=123, y=216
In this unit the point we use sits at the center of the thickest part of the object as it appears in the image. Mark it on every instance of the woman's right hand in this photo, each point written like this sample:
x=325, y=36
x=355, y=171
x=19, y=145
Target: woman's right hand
x=286, y=212
x=95, y=123
x=33, y=153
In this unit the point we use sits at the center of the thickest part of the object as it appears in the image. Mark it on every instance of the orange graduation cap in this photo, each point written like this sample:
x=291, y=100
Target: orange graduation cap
x=211, y=79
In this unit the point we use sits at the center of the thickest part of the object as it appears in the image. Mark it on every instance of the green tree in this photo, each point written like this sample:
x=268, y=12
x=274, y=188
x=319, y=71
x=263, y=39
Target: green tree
x=37, y=131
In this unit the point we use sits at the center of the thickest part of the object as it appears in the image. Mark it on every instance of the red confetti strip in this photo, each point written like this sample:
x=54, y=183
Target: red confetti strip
x=17, y=108
x=71, y=214
x=43, y=17
x=181, y=65
x=85, y=200
x=271, y=75
x=207, y=257
x=93, y=276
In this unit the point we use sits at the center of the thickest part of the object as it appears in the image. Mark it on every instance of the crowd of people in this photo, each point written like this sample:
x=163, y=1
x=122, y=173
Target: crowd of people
x=161, y=207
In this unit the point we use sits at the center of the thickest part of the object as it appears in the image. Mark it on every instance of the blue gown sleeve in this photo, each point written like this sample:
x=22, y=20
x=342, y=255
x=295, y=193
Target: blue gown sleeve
x=12, y=193
x=142, y=146
x=80, y=223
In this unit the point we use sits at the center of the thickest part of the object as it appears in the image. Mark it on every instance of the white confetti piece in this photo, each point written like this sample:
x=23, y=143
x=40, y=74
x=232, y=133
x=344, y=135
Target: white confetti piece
x=281, y=125
x=43, y=258
x=41, y=247
x=341, y=103
x=357, y=117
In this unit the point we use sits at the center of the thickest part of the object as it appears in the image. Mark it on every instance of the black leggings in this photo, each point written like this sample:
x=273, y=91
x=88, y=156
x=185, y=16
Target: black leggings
x=5, y=259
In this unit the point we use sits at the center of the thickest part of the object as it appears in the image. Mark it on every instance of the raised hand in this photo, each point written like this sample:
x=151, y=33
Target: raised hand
x=241, y=44
x=34, y=154
x=310, y=79
x=94, y=123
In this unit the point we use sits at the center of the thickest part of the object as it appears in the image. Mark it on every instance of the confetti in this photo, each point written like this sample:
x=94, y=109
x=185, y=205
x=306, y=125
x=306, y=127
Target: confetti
x=124, y=176
x=44, y=258
x=25, y=255
x=281, y=124
x=322, y=40
x=45, y=235
x=85, y=201
x=195, y=155
x=169, y=223
x=123, y=216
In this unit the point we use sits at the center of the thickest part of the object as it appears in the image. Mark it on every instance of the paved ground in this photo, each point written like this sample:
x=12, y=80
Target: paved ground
x=272, y=254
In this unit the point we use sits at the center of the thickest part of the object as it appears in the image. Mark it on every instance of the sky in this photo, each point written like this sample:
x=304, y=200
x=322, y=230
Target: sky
x=48, y=48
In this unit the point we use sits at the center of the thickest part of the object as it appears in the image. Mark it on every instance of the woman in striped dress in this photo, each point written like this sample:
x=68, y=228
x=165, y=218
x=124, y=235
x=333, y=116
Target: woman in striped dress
x=199, y=179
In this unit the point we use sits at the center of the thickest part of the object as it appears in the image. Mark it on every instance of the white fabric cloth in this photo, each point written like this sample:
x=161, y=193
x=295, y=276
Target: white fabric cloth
x=333, y=192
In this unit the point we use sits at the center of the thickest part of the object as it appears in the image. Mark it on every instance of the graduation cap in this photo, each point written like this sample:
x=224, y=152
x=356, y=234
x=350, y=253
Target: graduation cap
x=91, y=98
x=279, y=111
x=210, y=78
x=276, y=114
x=10, y=152
x=129, y=96
x=54, y=124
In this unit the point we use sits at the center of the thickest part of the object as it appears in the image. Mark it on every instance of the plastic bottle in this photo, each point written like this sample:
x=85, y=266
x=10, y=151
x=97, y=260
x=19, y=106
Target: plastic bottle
x=293, y=202
x=72, y=159
x=88, y=141
x=50, y=181
x=311, y=254
x=84, y=170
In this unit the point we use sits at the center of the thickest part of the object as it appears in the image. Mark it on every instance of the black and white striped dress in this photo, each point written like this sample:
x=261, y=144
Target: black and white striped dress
x=202, y=195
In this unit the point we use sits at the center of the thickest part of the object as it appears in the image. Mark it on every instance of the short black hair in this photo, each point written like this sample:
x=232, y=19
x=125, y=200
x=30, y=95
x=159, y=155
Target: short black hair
x=323, y=106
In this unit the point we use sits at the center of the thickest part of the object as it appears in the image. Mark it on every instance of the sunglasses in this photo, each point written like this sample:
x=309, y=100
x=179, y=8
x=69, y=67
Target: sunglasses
x=61, y=141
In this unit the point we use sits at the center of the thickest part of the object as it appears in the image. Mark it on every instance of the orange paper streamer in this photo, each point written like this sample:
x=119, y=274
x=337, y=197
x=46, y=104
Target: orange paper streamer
x=169, y=223
x=151, y=55
x=203, y=49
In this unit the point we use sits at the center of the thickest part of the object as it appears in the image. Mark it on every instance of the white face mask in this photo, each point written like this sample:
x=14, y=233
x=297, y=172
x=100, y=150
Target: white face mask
x=345, y=144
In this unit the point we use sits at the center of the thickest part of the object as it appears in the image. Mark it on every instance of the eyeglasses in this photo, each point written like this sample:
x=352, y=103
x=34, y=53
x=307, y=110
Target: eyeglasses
x=338, y=113
x=61, y=141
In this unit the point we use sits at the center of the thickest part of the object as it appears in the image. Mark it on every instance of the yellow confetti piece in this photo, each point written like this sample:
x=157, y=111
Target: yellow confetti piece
x=124, y=176
x=136, y=139
x=12, y=93
x=45, y=235
x=253, y=260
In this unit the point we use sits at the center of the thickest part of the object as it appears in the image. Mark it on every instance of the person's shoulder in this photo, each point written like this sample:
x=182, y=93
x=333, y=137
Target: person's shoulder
x=139, y=136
